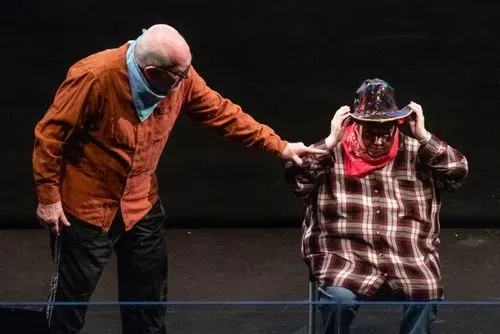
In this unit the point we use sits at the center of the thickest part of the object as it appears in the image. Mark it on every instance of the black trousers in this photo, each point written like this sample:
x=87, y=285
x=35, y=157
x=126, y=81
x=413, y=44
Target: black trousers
x=80, y=254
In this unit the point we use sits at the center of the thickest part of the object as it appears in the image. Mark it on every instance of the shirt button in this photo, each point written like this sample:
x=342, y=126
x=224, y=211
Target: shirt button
x=385, y=275
x=376, y=191
x=378, y=211
x=377, y=233
x=380, y=254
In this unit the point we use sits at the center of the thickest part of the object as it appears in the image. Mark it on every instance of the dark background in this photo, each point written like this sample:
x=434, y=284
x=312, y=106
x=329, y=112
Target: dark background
x=291, y=65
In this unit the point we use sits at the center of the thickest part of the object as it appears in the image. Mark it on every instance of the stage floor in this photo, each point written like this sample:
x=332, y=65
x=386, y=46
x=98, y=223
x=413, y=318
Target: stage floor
x=261, y=265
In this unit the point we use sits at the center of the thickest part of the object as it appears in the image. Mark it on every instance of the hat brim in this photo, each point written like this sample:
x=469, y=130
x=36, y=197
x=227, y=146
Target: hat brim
x=393, y=116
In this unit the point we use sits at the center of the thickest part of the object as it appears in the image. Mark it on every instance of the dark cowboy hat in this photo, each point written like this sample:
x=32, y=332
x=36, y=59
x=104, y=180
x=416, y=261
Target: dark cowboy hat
x=376, y=103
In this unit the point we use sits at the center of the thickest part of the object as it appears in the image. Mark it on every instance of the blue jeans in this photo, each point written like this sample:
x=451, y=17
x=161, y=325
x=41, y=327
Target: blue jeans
x=417, y=319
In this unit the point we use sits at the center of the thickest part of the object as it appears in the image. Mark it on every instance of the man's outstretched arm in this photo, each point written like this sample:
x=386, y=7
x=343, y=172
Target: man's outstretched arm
x=210, y=108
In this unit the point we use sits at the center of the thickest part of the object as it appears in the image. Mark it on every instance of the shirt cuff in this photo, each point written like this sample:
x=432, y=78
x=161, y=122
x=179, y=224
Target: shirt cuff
x=431, y=147
x=326, y=159
x=426, y=139
x=48, y=194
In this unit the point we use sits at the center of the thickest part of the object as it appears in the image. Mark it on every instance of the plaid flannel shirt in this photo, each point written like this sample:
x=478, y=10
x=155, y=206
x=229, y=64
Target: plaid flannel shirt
x=359, y=232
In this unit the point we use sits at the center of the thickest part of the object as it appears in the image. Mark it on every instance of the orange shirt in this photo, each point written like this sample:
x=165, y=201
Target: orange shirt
x=94, y=154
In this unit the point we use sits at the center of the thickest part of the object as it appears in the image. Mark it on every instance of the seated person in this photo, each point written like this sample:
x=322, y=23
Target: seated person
x=372, y=208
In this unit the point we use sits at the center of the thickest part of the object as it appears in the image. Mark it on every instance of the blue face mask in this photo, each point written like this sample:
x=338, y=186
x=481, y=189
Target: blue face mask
x=144, y=98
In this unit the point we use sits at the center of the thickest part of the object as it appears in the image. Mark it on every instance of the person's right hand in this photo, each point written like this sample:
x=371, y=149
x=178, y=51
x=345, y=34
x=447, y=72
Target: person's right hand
x=337, y=127
x=52, y=215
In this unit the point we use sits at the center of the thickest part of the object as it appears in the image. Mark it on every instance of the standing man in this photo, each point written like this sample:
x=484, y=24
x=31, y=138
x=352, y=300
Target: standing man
x=94, y=161
x=372, y=208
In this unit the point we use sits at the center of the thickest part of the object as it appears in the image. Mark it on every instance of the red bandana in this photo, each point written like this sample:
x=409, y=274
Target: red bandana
x=356, y=161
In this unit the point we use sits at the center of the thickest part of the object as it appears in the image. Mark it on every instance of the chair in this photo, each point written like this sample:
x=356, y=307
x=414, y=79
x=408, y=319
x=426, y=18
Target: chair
x=313, y=296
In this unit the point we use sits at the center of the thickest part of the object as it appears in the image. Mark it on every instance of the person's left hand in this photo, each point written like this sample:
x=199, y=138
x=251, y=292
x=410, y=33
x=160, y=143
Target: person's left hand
x=293, y=151
x=417, y=121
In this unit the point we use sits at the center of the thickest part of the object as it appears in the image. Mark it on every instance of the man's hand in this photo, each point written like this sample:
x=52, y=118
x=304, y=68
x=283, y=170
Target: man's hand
x=417, y=122
x=293, y=151
x=52, y=215
x=337, y=127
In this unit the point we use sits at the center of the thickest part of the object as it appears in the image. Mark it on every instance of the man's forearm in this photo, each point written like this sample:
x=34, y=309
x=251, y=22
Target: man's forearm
x=331, y=142
x=208, y=107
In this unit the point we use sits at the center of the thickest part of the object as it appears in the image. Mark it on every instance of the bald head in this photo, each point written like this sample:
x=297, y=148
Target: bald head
x=163, y=46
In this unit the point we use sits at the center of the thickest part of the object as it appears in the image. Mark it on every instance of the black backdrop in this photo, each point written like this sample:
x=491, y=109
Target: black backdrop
x=290, y=64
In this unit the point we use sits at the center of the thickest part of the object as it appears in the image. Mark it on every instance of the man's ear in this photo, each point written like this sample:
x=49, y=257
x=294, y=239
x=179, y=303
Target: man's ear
x=148, y=71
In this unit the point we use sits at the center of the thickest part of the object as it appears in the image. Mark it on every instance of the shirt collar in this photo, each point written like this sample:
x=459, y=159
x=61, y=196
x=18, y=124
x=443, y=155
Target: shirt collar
x=144, y=98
